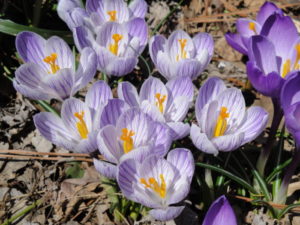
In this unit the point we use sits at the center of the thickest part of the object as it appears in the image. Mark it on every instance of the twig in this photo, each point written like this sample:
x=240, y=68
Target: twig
x=20, y=157
x=23, y=152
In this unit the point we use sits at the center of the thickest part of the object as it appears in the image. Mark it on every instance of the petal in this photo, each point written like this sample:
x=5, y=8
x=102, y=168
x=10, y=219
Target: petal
x=266, y=10
x=150, y=88
x=165, y=66
x=98, y=95
x=108, y=146
x=156, y=44
x=262, y=52
x=65, y=57
x=61, y=83
x=128, y=93
x=83, y=37
x=94, y=5
x=112, y=111
x=162, y=139
x=178, y=130
x=89, y=144
x=121, y=66
x=207, y=93
x=53, y=129
x=281, y=30
x=36, y=93
x=235, y=41
x=137, y=27
x=201, y=141
x=139, y=154
x=120, y=7
x=189, y=67
x=183, y=160
x=166, y=214
x=126, y=177
x=228, y=142
x=69, y=108
x=269, y=85
x=181, y=86
x=31, y=46
x=292, y=115
x=204, y=41
x=220, y=212
x=139, y=8
x=65, y=9
x=106, y=169
x=208, y=118
x=255, y=122
x=177, y=110
x=242, y=26
x=86, y=69
x=290, y=91
x=151, y=110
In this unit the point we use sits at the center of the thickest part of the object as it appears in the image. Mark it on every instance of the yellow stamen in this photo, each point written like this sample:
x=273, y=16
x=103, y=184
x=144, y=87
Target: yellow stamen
x=81, y=125
x=113, y=15
x=183, y=53
x=252, y=27
x=114, y=48
x=127, y=138
x=51, y=61
x=296, y=65
x=286, y=68
x=160, y=101
x=221, y=124
x=161, y=189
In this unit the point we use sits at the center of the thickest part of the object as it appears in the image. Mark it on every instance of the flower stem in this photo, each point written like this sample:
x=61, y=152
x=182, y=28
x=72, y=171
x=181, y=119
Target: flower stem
x=265, y=153
x=281, y=195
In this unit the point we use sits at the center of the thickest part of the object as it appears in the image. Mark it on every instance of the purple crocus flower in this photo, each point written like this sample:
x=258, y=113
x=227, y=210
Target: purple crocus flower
x=247, y=27
x=49, y=69
x=132, y=134
x=77, y=128
x=98, y=12
x=220, y=213
x=224, y=124
x=165, y=103
x=158, y=183
x=181, y=55
x=117, y=45
x=273, y=55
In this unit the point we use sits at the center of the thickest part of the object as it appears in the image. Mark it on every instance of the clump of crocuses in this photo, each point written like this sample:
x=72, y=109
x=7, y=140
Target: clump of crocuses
x=181, y=55
x=49, y=71
x=224, y=123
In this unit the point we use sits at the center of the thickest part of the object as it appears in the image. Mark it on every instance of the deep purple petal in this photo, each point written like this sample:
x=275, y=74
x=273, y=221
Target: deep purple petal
x=201, y=141
x=256, y=121
x=266, y=10
x=236, y=42
x=106, y=169
x=269, y=85
x=128, y=93
x=281, y=31
x=166, y=214
x=52, y=128
x=292, y=118
x=220, y=213
x=139, y=8
x=31, y=46
x=156, y=44
x=290, y=92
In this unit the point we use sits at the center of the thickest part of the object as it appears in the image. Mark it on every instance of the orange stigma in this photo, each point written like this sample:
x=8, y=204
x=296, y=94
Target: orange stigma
x=113, y=15
x=183, y=53
x=160, y=101
x=51, y=61
x=161, y=189
x=114, y=48
x=81, y=125
x=252, y=27
x=127, y=138
x=221, y=124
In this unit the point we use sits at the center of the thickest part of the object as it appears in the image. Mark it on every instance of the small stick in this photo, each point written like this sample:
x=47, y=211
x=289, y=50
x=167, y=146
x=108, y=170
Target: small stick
x=23, y=152
x=20, y=157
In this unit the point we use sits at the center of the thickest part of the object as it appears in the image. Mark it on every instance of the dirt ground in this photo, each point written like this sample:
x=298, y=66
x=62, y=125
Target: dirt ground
x=66, y=192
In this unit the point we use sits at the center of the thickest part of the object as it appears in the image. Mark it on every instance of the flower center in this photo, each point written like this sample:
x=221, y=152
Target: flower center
x=153, y=184
x=252, y=27
x=113, y=15
x=127, y=138
x=114, y=48
x=221, y=124
x=287, y=65
x=160, y=101
x=183, y=53
x=81, y=125
x=51, y=61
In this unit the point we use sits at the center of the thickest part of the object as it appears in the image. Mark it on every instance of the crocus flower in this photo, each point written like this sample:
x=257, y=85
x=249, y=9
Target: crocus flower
x=181, y=55
x=220, y=213
x=98, y=12
x=49, y=69
x=224, y=124
x=165, y=103
x=77, y=128
x=117, y=45
x=273, y=55
x=247, y=27
x=158, y=183
x=134, y=134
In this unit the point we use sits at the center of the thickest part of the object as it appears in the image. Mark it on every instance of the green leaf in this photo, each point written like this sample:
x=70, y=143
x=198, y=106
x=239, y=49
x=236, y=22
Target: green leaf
x=229, y=175
x=262, y=202
x=262, y=185
x=12, y=28
x=286, y=209
x=74, y=170
x=277, y=170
